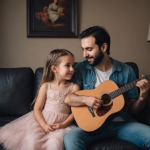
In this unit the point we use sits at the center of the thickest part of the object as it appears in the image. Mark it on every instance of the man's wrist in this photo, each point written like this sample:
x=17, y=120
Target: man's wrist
x=83, y=100
x=142, y=99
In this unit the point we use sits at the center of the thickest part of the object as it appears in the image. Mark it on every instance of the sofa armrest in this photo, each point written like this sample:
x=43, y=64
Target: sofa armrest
x=16, y=89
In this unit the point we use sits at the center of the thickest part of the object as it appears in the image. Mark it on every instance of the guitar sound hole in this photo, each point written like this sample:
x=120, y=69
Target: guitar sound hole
x=106, y=98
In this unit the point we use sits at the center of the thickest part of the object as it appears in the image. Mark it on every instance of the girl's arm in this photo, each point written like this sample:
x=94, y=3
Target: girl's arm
x=38, y=107
x=64, y=124
x=68, y=121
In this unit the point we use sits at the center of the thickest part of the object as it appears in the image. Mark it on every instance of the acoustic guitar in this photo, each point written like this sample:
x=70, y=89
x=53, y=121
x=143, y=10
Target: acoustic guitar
x=114, y=104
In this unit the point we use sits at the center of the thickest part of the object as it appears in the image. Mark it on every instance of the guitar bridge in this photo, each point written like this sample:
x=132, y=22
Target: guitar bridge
x=91, y=111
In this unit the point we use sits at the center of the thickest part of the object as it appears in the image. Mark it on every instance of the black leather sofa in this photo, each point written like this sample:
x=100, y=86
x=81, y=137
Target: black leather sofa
x=18, y=87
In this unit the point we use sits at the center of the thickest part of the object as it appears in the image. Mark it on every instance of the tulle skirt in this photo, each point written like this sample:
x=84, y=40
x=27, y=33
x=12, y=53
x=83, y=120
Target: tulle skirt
x=25, y=133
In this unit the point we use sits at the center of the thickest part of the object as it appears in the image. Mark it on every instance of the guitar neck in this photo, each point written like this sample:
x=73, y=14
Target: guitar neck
x=126, y=87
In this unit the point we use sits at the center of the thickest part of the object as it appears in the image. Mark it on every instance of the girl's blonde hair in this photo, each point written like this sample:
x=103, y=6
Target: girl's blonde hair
x=53, y=59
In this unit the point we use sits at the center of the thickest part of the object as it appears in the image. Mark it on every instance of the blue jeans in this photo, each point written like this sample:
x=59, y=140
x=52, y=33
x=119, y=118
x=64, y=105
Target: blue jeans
x=134, y=132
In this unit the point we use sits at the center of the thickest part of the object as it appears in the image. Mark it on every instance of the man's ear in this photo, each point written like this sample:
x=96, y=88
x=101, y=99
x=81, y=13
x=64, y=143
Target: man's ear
x=53, y=69
x=104, y=47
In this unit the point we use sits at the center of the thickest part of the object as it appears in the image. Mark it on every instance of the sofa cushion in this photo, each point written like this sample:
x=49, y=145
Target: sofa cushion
x=1, y=148
x=110, y=144
x=16, y=85
x=5, y=120
x=113, y=144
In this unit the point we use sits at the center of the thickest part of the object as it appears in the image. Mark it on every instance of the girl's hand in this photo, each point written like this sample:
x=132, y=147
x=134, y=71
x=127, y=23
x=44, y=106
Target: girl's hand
x=57, y=126
x=48, y=128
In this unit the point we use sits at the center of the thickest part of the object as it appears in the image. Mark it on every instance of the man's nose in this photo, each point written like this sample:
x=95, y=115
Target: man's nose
x=85, y=54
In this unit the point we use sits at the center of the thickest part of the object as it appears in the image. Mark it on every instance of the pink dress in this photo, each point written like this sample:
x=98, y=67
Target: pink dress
x=25, y=133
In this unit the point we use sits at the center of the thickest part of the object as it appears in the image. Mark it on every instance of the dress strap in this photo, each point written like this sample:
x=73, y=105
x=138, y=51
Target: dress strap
x=49, y=85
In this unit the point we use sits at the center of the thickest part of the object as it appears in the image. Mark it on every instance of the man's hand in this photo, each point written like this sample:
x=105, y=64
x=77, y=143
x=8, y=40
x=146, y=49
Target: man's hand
x=144, y=86
x=93, y=102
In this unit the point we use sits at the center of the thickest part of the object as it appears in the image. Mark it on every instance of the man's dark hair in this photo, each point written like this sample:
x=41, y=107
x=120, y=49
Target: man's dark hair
x=100, y=34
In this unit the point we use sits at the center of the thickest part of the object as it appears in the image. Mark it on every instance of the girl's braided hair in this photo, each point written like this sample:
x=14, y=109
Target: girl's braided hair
x=52, y=59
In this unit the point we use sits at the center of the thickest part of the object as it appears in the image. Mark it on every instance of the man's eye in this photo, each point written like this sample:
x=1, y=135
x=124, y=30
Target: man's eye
x=67, y=65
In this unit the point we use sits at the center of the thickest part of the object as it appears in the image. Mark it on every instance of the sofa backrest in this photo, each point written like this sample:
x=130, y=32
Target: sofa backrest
x=16, y=86
x=134, y=67
x=39, y=71
x=37, y=80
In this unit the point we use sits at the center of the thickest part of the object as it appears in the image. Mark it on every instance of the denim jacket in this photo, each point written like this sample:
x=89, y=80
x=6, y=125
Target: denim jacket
x=122, y=74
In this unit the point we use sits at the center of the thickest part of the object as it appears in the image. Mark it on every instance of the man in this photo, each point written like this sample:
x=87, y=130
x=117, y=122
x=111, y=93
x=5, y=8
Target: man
x=98, y=67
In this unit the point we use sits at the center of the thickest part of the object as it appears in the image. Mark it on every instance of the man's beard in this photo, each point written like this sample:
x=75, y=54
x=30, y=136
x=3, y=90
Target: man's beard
x=97, y=59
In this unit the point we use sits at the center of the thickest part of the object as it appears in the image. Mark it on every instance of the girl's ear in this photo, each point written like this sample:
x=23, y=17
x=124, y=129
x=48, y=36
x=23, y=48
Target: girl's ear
x=53, y=69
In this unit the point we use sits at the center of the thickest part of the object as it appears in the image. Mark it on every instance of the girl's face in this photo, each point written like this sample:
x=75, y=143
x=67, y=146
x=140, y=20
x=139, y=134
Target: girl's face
x=65, y=69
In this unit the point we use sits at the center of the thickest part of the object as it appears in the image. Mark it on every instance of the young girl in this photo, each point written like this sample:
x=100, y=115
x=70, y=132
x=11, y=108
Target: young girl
x=45, y=126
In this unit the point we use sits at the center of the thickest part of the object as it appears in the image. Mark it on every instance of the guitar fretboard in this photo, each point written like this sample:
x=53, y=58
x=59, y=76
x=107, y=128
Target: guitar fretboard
x=126, y=87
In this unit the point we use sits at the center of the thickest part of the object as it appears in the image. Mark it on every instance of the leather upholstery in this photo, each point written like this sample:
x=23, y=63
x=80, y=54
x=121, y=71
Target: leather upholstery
x=7, y=119
x=144, y=115
x=37, y=80
x=113, y=144
x=134, y=67
x=18, y=87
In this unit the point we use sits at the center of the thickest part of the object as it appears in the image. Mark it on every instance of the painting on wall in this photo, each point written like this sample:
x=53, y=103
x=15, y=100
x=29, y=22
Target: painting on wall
x=52, y=18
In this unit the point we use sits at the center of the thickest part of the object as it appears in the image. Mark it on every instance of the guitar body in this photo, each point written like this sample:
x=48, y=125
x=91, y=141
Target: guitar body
x=105, y=114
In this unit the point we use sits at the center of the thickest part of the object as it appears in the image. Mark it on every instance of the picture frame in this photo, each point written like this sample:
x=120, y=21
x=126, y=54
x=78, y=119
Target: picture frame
x=52, y=18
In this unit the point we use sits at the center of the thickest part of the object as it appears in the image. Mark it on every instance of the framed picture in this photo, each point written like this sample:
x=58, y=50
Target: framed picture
x=52, y=18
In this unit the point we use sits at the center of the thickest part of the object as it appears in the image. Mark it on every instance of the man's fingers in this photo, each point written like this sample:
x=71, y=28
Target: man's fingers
x=95, y=107
x=98, y=105
x=99, y=101
x=143, y=84
x=147, y=84
x=143, y=76
x=140, y=85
